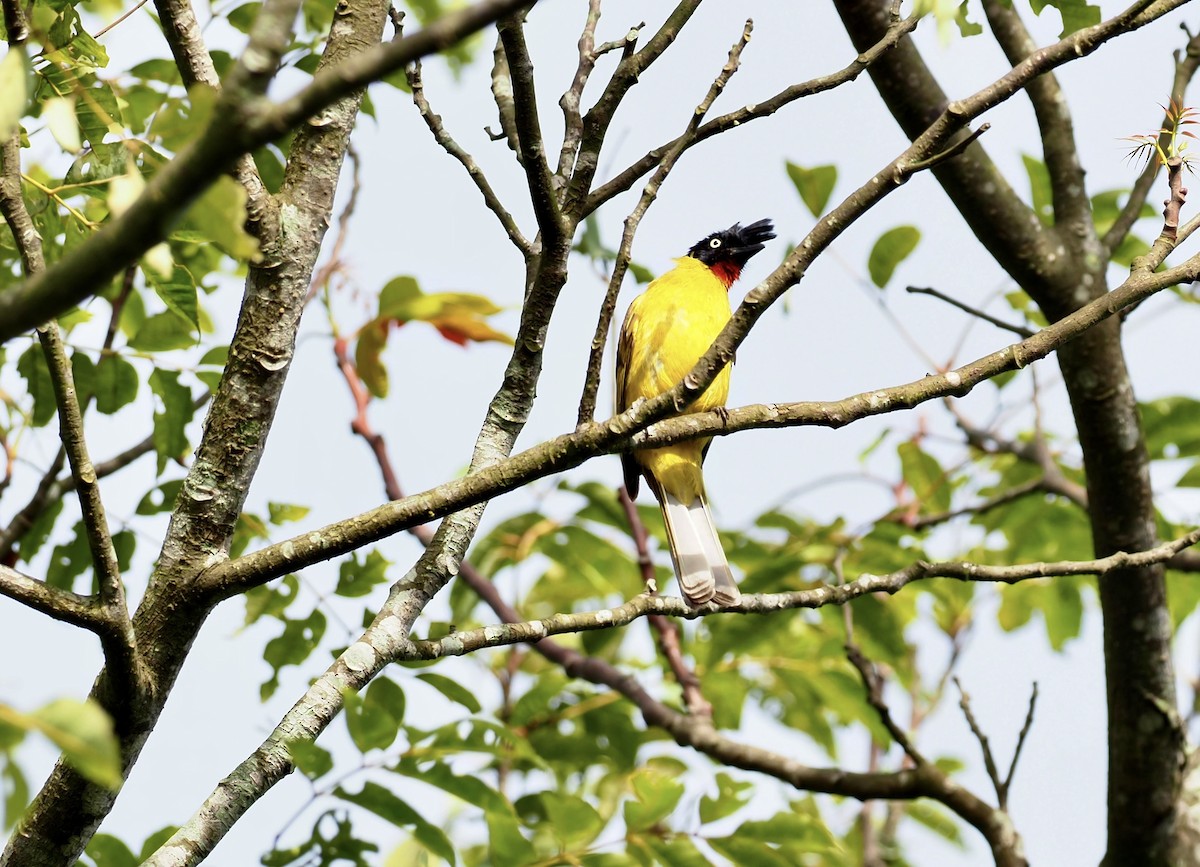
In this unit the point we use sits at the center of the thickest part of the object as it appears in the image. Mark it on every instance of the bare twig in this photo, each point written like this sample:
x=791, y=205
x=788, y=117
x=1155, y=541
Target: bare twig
x=1019, y=330
x=873, y=683
x=443, y=138
x=334, y=264
x=764, y=108
x=569, y=101
x=923, y=522
x=1001, y=785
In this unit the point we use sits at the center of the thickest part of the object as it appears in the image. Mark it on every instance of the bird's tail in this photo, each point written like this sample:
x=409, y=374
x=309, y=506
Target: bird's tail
x=700, y=562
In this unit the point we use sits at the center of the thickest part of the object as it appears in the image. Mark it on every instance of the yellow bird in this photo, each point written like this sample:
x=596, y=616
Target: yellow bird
x=667, y=329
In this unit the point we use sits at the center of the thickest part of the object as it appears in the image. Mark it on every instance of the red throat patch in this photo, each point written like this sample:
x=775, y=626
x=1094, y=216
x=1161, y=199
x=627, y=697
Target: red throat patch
x=727, y=272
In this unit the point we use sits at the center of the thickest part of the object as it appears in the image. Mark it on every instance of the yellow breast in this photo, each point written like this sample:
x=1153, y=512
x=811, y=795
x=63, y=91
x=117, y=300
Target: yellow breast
x=668, y=328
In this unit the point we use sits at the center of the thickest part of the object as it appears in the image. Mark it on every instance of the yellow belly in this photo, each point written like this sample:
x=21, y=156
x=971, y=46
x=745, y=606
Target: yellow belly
x=666, y=331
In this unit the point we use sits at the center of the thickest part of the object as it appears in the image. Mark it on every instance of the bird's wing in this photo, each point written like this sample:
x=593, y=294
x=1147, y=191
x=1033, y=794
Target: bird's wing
x=630, y=469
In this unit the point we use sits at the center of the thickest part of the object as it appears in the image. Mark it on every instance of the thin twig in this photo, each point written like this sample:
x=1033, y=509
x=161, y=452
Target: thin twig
x=989, y=760
x=1020, y=330
x=762, y=108
x=569, y=101
x=924, y=522
x=1186, y=64
x=873, y=683
x=542, y=194
x=1025, y=728
x=443, y=138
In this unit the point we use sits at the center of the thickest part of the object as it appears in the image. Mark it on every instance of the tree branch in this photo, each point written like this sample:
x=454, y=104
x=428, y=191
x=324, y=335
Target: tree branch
x=195, y=64
x=443, y=138
x=1068, y=192
x=551, y=224
x=620, y=433
x=120, y=645
x=1019, y=330
x=53, y=601
x=569, y=102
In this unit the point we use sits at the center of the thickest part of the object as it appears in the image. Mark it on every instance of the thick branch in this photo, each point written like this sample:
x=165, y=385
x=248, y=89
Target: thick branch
x=1068, y=192
x=529, y=130
x=53, y=601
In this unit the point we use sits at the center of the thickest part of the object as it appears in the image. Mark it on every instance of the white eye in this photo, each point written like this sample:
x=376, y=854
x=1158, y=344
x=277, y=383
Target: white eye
x=714, y=243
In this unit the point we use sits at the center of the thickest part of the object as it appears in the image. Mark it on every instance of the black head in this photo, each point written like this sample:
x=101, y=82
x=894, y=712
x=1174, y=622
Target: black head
x=735, y=245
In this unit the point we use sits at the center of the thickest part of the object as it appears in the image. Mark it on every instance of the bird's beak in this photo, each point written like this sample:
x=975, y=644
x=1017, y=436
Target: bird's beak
x=742, y=254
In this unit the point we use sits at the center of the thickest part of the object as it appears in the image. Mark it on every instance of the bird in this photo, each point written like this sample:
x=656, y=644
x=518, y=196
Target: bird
x=666, y=330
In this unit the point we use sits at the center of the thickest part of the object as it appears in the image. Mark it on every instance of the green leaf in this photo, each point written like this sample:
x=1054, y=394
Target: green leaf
x=154, y=842
x=1172, y=427
x=1190, y=479
x=1039, y=187
x=922, y=473
x=507, y=846
x=84, y=732
x=814, y=185
x=220, y=215
x=172, y=418
x=32, y=366
x=298, y=640
x=178, y=292
x=1076, y=14
x=163, y=332
x=657, y=794
x=389, y=806
x=13, y=89
x=936, y=819
x=357, y=578
x=452, y=689
x=16, y=792
x=471, y=789
x=116, y=384
x=892, y=248
x=107, y=851
x=69, y=560
x=161, y=498
x=370, y=721
x=267, y=601
x=35, y=537
x=59, y=114
x=742, y=850
x=966, y=27
x=311, y=760
x=285, y=513
x=574, y=822
x=728, y=801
